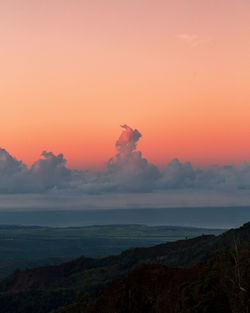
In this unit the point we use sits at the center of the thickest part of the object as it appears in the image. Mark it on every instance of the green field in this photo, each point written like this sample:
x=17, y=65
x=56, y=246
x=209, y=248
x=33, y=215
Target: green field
x=29, y=246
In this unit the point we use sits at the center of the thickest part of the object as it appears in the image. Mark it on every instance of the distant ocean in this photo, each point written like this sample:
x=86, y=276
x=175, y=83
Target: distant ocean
x=210, y=217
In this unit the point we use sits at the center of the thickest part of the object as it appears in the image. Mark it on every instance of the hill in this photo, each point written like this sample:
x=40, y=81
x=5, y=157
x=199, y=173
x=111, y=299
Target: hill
x=221, y=286
x=48, y=288
x=54, y=245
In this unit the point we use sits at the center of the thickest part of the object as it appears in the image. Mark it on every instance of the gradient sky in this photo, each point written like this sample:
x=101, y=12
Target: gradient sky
x=177, y=70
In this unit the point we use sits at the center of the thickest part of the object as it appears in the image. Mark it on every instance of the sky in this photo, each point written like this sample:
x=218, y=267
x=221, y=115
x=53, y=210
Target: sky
x=176, y=70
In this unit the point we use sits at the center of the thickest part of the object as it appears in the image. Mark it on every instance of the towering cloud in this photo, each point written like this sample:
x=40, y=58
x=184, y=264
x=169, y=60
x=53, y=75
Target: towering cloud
x=128, y=169
x=126, y=143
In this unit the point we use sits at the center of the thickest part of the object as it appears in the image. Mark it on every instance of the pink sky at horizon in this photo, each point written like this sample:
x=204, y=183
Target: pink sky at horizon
x=176, y=70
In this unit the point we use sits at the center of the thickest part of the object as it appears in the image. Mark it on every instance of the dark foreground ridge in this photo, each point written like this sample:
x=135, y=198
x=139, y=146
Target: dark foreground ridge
x=81, y=285
x=147, y=288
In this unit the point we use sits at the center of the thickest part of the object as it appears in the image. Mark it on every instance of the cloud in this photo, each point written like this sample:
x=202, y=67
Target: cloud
x=126, y=172
x=9, y=165
x=50, y=172
x=126, y=143
x=12, y=173
x=193, y=40
x=177, y=175
x=45, y=174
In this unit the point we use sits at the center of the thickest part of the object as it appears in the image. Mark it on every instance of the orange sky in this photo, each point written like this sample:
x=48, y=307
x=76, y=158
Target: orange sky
x=177, y=70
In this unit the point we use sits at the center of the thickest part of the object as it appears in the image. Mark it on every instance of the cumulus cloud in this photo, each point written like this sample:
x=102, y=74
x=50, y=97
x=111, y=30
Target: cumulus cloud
x=126, y=172
x=126, y=143
x=177, y=175
x=47, y=173
x=9, y=165
x=50, y=172
x=12, y=173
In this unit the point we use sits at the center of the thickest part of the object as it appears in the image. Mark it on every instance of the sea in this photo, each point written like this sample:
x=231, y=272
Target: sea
x=208, y=217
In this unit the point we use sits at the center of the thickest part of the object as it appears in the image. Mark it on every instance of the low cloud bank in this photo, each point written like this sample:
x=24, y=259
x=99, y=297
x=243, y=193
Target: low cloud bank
x=128, y=171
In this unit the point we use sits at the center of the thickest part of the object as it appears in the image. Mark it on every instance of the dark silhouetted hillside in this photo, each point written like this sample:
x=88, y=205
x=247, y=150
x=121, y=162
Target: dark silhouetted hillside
x=148, y=288
x=221, y=286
